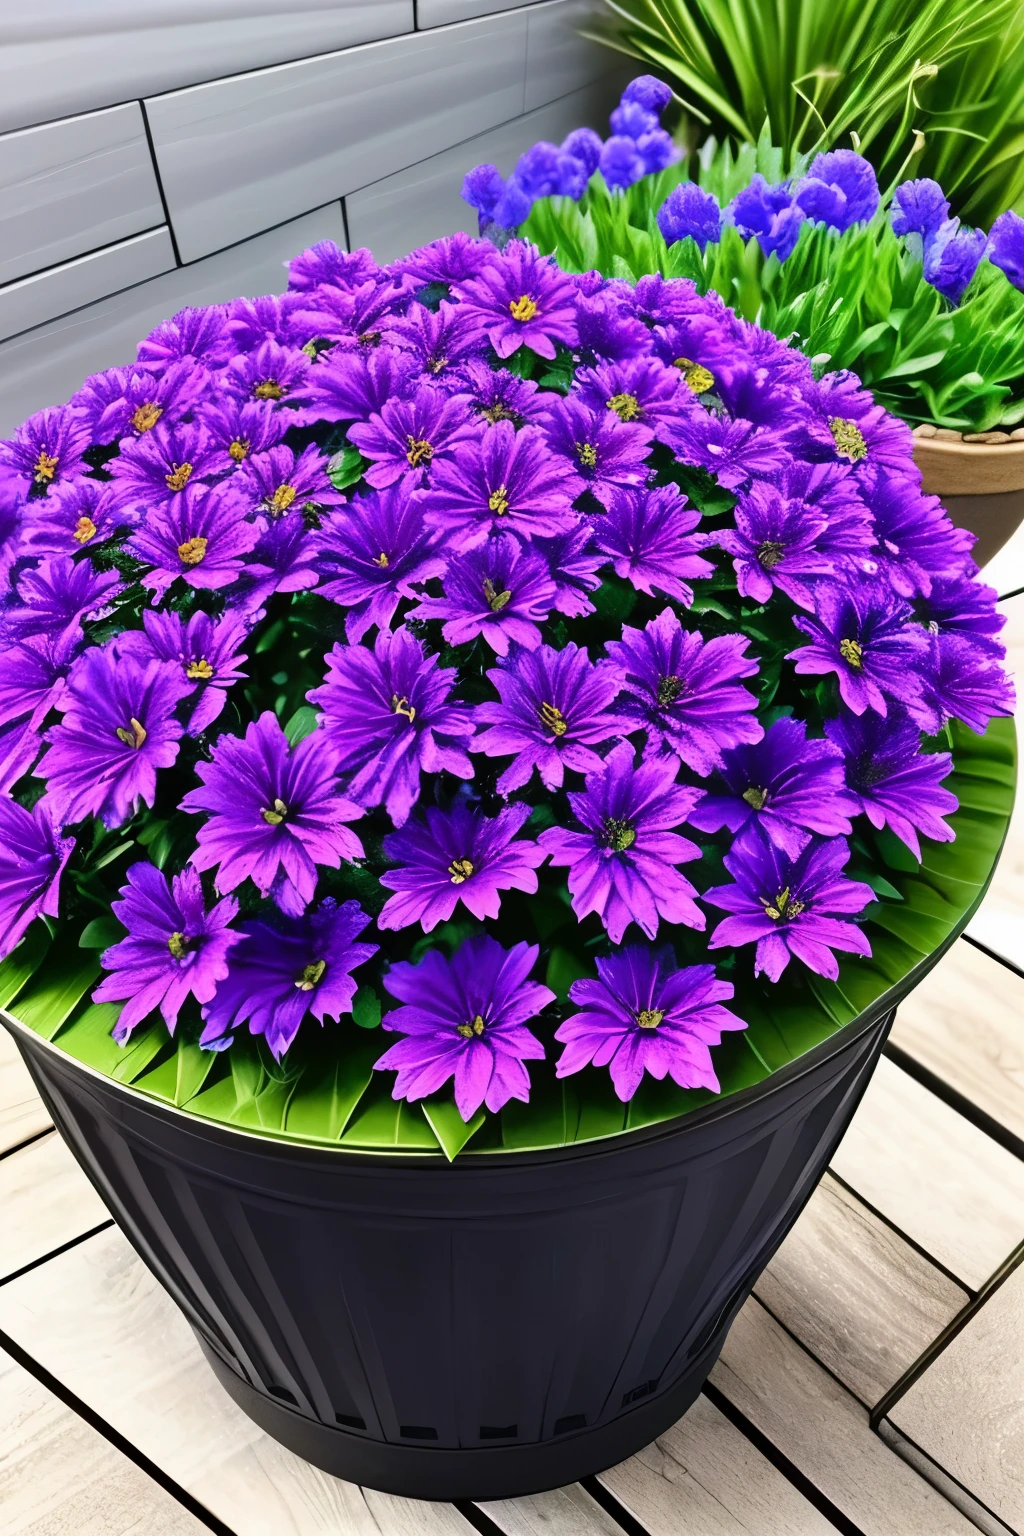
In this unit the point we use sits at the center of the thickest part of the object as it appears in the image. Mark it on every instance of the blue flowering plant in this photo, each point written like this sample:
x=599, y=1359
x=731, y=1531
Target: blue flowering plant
x=927, y=311
x=464, y=701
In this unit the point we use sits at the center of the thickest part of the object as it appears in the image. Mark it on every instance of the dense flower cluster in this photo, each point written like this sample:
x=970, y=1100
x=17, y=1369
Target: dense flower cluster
x=462, y=603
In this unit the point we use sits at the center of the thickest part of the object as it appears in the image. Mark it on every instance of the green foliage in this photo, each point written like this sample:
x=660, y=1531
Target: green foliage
x=327, y=1093
x=894, y=78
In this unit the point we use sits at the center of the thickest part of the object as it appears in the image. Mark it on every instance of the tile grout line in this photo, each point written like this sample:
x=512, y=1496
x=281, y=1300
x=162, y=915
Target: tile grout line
x=114, y=1437
x=151, y=146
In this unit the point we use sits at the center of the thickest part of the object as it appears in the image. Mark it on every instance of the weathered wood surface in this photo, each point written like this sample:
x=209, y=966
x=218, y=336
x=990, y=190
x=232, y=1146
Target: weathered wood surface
x=45, y=1201
x=563, y=1512
x=22, y=1113
x=60, y=1477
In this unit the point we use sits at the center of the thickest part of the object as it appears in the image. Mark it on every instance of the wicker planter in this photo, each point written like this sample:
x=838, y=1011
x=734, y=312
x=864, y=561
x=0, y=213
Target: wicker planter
x=481, y=1330
x=981, y=486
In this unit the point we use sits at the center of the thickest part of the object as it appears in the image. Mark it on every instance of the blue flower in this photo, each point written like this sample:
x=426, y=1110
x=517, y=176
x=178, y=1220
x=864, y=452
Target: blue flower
x=769, y=213
x=649, y=92
x=839, y=190
x=1006, y=247
x=584, y=145
x=951, y=258
x=689, y=211
x=621, y=163
x=919, y=208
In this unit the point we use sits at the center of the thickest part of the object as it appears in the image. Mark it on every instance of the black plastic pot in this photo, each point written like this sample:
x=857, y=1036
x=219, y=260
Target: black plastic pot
x=484, y=1329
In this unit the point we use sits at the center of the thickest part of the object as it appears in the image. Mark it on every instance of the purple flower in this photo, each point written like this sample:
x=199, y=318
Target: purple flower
x=409, y=438
x=770, y=213
x=522, y=300
x=600, y=451
x=205, y=650
x=271, y=317
x=279, y=375
x=191, y=336
x=893, y=782
x=574, y=562
x=608, y=331
x=274, y=814
x=961, y=683
x=127, y=403
x=538, y=170
x=685, y=691
x=644, y=1014
x=277, y=479
x=916, y=540
x=690, y=213
x=326, y=262
x=353, y=386
x=864, y=635
x=732, y=451
x=200, y=536
x=776, y=543
x=503, y=480
x=119, y=727
x=465, y=1018
x=842, y=424
x=503, y=591
x=283, y=560
x=649, y=535
x=152, y=471
x=657, y=150
x=622, y=865
x=785, y=784
x=584, y=145
x=54, y=597
x=287, y=967
x=960, y=605
x=387, y=714
x=33, y=677
x=19, y=748
x=456, y=855
x=648, y=92
x=32, y=858
x=436, y=341
x=175, y=949
x=498, y=395
x=640, y=389
x=369, y=555
x=238, y=429
x=553, y=710
x=46, y=449
x=354, y=317
x=951, y=258
x=452, y=259
x=790, y=906
x=1006, y=247
x=76, y=514
x=919, y=208
x=840, y=190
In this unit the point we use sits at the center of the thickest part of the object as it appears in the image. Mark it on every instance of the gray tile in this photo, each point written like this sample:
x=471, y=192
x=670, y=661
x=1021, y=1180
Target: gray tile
x=440, y=13
x=42, y=297
x=396, y=215
x=45, y=366
x=558, y=59
x=71, y=186
x=63, y=56
x=261, y=145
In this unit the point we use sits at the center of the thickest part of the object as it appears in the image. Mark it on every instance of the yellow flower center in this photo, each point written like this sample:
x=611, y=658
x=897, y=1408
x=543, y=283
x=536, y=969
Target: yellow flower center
x=382, y=560
x=178, y=945
x=496, y=600
x=45, y=467
x=199, y=671
x=193, y=551
x=467, y=1031
x=587, y=455
x=311, y=975
x=650, y=1018
x=275, y=817
x=498, y=412
x=420, y=451
x=669, y=689
x=695, y=377
x=85, y=529
x=460, y=870
x=852, y=653
x=179, y=477
x=848, y=438
x=619, y=835
x=626, y=407
x=282, y=499
x=769, y=554
x=755, y=797
x=497, y=501
x=400, y=706
x=553, y=720
x=523, y=308
x=134, y=737
x=785, y=906
x=268, y=389
x=239, y=449
x=145, y=417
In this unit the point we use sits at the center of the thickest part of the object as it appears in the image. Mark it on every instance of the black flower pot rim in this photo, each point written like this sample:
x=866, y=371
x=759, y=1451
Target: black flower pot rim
x=225, y=1135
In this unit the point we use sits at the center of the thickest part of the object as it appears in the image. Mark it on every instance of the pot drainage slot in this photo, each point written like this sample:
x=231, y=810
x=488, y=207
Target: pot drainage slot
x=642, y=1391
x=350, y=1420
x=417, y=1432
x=499, y=1432
x=570, y=1422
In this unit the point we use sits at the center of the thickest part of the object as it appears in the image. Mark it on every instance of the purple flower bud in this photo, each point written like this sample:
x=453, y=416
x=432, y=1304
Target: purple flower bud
x=621, y=163
x=918, y=208
x=586, y=145
x=649, y=92
x=951, y=258
x=1006, y=247
x=690, y=212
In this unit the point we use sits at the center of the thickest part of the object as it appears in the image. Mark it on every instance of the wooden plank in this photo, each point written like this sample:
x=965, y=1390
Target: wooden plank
x=824, y=1432
x=45, y=1201
x=704, y=1478
x=855, y=1294
x=964, y=1024
x=562, y=1512
x=950, y=1188
x=60, y=1477
x=22, y=1113
x=967, y=1410
x=99, y=1322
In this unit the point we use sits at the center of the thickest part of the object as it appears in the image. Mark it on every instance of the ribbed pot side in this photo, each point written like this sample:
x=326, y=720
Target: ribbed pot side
x=484, y=1329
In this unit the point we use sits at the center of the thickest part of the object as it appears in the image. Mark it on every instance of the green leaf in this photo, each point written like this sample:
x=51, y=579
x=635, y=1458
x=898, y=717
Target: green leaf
x=181, y=1076
x=302, y=724
x=324, y=1105
x=49, y=999
x=23, y=963
x=381, y=1121
x=366, y=1009
x=101, y=933
x=448, y=1125
x=346, y=467
x=89, y=1040
x=564, y=967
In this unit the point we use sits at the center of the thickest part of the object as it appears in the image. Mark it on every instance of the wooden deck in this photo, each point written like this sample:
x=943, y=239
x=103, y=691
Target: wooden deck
x=874, y=1383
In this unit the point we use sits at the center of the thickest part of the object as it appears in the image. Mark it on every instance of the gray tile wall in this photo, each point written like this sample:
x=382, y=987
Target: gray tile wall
x=151, y=163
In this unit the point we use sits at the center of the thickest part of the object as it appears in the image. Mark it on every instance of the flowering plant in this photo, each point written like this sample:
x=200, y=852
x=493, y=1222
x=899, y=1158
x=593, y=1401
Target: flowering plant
x=440, y=647
x=927, y=311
